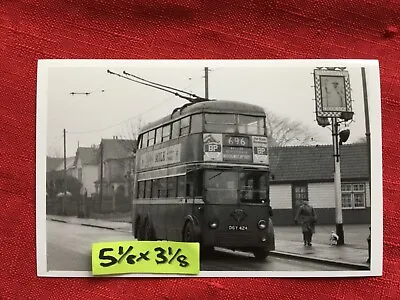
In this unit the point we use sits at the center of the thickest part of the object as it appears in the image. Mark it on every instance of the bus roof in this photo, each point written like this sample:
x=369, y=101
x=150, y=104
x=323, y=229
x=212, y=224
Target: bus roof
x=220, y=106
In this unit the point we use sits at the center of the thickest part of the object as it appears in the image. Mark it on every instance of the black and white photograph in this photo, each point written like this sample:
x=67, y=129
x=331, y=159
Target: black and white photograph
x=273, y=166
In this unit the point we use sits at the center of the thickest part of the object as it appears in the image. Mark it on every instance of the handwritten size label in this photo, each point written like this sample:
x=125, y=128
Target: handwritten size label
x=163, y=257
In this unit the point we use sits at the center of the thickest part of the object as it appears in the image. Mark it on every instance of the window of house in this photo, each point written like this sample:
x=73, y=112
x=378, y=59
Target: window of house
x=300, y=192
x=151, y=138
x=353, y=195
x=197, y=124
x=185, y=124
x=158, y=135
x=166, y=131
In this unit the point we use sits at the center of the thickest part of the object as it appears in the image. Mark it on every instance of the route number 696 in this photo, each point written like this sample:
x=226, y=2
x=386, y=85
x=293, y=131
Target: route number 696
x=237, y=141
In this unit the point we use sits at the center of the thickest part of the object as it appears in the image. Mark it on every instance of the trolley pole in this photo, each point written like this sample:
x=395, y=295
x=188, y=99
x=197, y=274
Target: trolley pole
x=338, y=185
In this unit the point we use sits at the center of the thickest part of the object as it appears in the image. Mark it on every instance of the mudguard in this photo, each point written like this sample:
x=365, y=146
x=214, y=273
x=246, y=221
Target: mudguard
x=271, y=235
x=196, y=226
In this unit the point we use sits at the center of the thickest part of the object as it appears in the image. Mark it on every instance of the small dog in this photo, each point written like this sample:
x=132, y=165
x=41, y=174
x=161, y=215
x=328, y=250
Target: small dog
x=334, y=238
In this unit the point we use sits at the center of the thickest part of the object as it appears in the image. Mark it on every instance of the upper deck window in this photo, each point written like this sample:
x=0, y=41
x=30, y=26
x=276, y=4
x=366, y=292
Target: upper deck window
x=231, y=123
x=185, y=124
x=151, y=137
x=145, y=138
x=176, y=127
x=166, y=132
x=158, y=135
x=250, y=124
x=224, y=123
x=197, y=124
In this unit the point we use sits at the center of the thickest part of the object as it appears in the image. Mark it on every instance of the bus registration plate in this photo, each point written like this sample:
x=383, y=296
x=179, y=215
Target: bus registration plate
x=237, y=227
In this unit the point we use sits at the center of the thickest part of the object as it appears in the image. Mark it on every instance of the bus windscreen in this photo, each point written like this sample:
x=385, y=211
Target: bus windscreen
x=229, y=187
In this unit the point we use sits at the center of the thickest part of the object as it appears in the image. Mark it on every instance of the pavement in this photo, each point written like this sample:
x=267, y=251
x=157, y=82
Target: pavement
x=288, y=240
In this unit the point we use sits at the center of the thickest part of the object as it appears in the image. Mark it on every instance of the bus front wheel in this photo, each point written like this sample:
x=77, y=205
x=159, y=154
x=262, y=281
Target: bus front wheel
x=260, y=254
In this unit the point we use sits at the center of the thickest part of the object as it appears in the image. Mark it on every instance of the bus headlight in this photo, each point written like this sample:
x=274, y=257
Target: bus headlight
x=262, y=224
x=213, y=224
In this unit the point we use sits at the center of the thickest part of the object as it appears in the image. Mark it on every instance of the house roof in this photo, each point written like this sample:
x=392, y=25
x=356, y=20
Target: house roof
x=88, y=155
x=314, y=163
x=52, y=163
x=118, y=148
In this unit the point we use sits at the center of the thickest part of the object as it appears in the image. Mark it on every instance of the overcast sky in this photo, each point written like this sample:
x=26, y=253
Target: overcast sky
x=115, y=106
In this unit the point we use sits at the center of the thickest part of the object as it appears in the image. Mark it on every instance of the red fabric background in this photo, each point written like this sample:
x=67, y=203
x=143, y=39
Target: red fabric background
x=138, y=29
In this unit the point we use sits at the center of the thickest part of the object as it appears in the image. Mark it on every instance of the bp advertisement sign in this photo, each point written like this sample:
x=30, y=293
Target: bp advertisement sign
x=260, y=149
x=212, y=146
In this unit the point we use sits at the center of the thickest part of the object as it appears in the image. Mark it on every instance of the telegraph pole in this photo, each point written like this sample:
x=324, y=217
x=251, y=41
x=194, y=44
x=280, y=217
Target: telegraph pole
x=367, y=129
x=206, y=81
x=101, y=176
x=65, y=172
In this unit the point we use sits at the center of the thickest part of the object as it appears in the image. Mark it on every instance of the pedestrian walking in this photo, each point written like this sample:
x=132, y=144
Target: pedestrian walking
x=307, y=217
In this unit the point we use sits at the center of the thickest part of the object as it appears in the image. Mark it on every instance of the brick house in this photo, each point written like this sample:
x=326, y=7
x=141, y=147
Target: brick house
x=308, y=171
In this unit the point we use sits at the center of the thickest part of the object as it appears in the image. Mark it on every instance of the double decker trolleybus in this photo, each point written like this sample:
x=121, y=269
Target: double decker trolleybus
x=202, y=175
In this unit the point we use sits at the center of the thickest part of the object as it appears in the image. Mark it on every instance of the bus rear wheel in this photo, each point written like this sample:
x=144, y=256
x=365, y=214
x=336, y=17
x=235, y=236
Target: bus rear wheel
x=148, y=234
x=188, y=232
x=260, y=254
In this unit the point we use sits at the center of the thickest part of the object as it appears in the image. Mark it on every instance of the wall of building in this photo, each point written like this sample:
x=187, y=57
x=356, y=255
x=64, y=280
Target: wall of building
x=322, y=198
x=89, y=176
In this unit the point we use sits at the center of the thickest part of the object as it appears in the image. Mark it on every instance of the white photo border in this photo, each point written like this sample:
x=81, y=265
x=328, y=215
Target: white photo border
x=372, y=71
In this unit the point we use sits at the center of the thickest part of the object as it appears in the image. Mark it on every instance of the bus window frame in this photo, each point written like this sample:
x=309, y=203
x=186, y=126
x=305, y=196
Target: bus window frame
x=166, y=137
x=153, y=139
x=145, y=140
x=201, y=123
x=158, y=135
x=150, y=184
x=140, y=141
x=178, y=129
x=188, y=126
x=169, y=179
x=236, y=126
x=263, y=125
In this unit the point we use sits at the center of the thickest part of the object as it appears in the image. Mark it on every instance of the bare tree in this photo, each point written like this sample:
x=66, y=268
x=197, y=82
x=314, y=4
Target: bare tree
x=285, y=132
x=130, y=134
x=362, y=139
x=54, y=152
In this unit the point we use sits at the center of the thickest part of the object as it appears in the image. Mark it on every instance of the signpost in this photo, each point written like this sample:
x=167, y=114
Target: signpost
x=333, y=101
